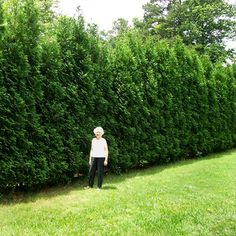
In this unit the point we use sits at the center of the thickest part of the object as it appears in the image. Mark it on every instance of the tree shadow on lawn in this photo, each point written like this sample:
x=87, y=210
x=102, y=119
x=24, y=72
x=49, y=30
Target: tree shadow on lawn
x=110, y=181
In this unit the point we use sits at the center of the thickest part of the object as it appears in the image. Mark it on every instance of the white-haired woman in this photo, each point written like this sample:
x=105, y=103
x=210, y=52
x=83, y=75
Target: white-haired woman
x=98, y=158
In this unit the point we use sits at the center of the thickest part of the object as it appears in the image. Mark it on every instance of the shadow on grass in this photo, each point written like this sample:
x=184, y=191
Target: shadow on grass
x=109, y=187
x=109, y=181
x=48, y=192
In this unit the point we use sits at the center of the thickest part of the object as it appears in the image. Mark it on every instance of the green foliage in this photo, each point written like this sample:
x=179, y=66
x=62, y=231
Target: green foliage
x=164, y=105
x=157, y=101
x=21, y=132
x=206, y=25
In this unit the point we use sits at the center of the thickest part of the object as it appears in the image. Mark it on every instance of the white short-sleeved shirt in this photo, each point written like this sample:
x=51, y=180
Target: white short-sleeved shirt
x=98, y=147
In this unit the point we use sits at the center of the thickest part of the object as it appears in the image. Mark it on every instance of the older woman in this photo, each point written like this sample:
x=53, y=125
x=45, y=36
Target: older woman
x=98, y=157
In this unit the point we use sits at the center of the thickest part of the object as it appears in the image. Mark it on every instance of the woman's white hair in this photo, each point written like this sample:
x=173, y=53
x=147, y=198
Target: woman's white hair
x=98, y=129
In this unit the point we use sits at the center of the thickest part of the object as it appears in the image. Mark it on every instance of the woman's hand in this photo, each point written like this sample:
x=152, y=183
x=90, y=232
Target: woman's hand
x=105, y=163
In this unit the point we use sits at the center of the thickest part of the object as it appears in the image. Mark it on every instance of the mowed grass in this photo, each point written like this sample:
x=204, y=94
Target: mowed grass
x=195, y=197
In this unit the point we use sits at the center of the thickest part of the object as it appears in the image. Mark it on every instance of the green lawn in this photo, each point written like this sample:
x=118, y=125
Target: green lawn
x=186, y=198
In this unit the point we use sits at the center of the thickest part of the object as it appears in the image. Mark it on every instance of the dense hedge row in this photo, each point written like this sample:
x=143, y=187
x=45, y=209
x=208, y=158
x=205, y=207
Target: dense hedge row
x=157, y=102
x=170, y=104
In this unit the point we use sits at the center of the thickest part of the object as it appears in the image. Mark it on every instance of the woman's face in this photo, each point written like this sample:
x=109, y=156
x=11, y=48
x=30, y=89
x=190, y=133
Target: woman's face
x=98, y=135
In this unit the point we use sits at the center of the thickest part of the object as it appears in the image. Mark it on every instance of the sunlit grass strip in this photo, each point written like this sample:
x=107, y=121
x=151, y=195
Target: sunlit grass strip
x=186, y=198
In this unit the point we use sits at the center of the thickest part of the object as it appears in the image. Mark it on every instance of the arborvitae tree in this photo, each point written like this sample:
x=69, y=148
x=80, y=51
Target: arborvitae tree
x=79, y=69
x=190, y=82
x=224, y=112
x=21, y=129
x=125, y=57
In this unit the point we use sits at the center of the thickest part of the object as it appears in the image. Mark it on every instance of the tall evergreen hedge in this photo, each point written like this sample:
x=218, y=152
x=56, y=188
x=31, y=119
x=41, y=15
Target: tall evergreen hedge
x=158, y=102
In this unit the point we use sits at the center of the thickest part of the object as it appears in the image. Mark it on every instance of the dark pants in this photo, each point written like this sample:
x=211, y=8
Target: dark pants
x=97, y=164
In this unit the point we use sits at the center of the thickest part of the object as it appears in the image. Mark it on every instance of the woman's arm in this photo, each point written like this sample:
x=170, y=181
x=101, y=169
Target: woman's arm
x=90, y=157
x=91, y=154
x=106, y=154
